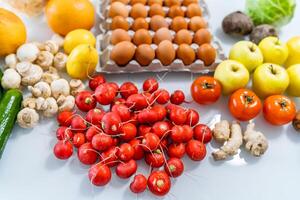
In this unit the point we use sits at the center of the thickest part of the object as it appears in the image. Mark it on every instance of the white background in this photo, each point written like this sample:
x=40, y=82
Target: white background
x=29, y=171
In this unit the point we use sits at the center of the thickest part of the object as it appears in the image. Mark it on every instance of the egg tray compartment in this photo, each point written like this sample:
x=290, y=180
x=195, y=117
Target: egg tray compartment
x=104, y=21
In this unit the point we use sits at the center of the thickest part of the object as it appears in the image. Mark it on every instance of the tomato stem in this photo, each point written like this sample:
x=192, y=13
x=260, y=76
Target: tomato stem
x=207, y=85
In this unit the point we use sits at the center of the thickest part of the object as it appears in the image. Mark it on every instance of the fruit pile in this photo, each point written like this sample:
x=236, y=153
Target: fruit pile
x=150, y=125
x=163, y=30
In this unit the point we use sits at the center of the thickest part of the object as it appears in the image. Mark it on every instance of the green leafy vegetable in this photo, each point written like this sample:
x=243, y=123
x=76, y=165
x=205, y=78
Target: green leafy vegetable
x=274, y=12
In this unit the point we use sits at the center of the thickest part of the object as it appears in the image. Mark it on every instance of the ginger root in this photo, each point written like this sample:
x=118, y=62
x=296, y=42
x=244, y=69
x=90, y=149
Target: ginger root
x=221, y=132
x=230, y=147
x=256, y=142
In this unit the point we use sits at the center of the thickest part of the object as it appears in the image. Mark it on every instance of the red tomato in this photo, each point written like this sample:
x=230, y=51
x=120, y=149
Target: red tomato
x=279, y=110
x=244, y=104
x=159, y=183
x=206, y=90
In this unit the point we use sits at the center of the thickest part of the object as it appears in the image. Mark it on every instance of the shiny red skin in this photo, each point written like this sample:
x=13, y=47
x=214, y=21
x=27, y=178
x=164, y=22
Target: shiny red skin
x=155, y=159
x=95, y=116
x=144, y=129
x=161, y=111
x=63, y=150
x=139, y=184
x=138, y=150
x=64, y=133
x=102, y=142
x=78, y=124
x=128, y=131
x=188, y=133
x=133, y=119
x=96, y=81
x=159, y=183
x=177, y=134
x=78, y=139
x=192, y=117
x=195, y=150
x=202, y=133
x=91, y=132
x=117, y=101
x=178, y=115
x=123, y=111
x=176, y=150
x=86, y=154
x=151, y=141
x=161, y=129
x=137, y=102
x=170, y=107
x=105, y=94
x=177, y=97
x=127, y=169
x=99, y=174
x=164, y=144
x=114, y=85
x=147, y=116
x=109, y=157
x=162, y=96
x=149, y=97
x=125, y=152
x=174, y=167
x=85, y=101
x=65, y=118
x=111, y=123
x=127, y=89
x=150, y=85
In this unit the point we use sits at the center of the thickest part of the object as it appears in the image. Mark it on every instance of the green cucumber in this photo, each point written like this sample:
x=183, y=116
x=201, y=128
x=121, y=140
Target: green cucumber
x=10, y=105
x=1, y=89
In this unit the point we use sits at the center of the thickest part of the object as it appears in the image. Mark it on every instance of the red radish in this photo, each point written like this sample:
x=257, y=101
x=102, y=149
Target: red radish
x=188, y=133
x=195, y=150
x=177, y=97
x=174, y=167
x=78, y=139
x=105, y=94
x=64, y=133
x=63, y=150
x=128, y=131
x=161, y=129
x=192, y=117
x=111, y=123
x=137, y=102
x=109, y=157
x=125, y=152
x=139, y=184
x=117, y=101
x=202, y=133
x=91, y=132
x=170, y=107
x=178, y=116
x=85, y=101
x=123, y=111
x=64, y=118
x=133, y=119
x=159, y=183
x=149, y=97
x=114, y=85
x=155, y=159
x=176, y=150
x=161, y=111
x=177, y=134
x=99, y=174
x=150, y=142
x=127, y=89
x=96, y=81
x=86, y=154
x=125, y=170
x=147, y=116
x=95, y=116
x=162, y=96
x=102, y=142
x=138, y=150
x=116, y=141
x=144, y=129
x=164, y=143
x=150, y=85
x=78, y=124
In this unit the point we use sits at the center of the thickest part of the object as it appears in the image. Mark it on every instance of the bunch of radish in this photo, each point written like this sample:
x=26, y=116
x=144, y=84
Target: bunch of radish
x=150, y=124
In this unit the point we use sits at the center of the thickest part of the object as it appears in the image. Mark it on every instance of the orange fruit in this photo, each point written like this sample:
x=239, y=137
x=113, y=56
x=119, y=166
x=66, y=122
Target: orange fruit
x=12, y=32
x=68, y=15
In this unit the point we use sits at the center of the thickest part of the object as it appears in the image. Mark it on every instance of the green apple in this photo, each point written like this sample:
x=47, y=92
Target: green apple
x=294, y=51
x=248, y=54
x=273, y=50
x=270, y=79
x=294, y=74
x=232, y=75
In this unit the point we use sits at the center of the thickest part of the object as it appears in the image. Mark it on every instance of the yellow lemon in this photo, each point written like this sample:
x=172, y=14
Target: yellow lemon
x=82, y=61
x=77, y=37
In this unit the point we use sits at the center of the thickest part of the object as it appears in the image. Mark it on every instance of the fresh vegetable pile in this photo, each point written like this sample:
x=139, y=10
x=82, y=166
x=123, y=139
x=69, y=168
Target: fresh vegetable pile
x=150, y=125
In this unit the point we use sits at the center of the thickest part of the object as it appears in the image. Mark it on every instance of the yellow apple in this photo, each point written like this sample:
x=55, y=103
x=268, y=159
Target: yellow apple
x=294, y=74
x=294, y=51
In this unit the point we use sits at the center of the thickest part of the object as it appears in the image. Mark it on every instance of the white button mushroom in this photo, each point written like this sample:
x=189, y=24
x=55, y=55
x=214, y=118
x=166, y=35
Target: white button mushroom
x=65, y=103
x=40, y=89
x=45, y=59
x=52, y=107
x=27, y=118
x=60, y=87
x=50, y=75
x=33, y=75
x=51, y=46
x=11, y=79
x=27, y=52
x=11, y=61
x=60, y=61
x=59, y=40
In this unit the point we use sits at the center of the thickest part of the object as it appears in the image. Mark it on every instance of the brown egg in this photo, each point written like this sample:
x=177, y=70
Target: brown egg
x=156, y=9
x=142, y=36
x=175, y=11
x=207, y=54
x=186, y=53
x=144, y=54
x=202, y=36
x=118, y=9
x=165, y=52
x=122, y=1
x=197, y=23
x=119, y=22
x=170, y=3
x=138, y=10
x=188, y=2
x=140, y=23
x=150, y=2
x=122, y=53
x=119, y=35
x=132, y=2
x=158, y=22
x=179, y=23
x=161, y=35
x=183, y=37
x=193, y=10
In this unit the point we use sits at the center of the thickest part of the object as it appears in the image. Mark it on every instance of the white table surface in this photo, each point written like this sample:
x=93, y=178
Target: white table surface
x=29, y=170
